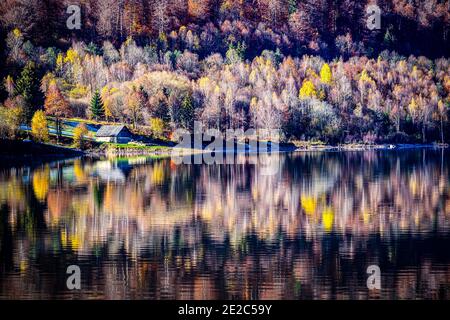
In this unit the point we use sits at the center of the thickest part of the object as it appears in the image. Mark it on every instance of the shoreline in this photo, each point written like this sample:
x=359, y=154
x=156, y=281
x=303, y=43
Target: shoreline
x=26, y=152
x=364, y=147
x=167, y=151
x=34, y=152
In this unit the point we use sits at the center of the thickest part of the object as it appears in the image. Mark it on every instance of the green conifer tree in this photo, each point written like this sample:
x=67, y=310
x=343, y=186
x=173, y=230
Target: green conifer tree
x=27, y=86
x=97, y=107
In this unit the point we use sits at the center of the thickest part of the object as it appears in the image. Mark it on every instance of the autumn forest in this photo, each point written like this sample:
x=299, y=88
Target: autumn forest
x=311, y=68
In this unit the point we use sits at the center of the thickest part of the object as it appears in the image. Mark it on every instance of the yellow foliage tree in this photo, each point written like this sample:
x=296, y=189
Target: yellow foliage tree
x=325, y=74
x=79, y=135
x=254, y=102
x=158, y=128
x=78, y=92
x=60, y=64
x=71, y=56
x=308, y=90
x=365, y=77
x=11, y=118
x=412, y=108
x=17, y=33
x=106, y=97
x=203, y=82
x=39, y=126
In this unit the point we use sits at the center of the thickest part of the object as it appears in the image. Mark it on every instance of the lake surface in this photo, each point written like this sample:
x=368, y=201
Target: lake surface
x=142, y=228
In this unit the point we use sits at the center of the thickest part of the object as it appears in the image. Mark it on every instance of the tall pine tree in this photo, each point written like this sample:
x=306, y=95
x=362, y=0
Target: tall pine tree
x=97, y=107
x=187, y=111
x=27, y=86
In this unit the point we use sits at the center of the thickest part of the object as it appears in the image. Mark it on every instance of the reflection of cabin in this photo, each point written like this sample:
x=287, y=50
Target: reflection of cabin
x=117, y=134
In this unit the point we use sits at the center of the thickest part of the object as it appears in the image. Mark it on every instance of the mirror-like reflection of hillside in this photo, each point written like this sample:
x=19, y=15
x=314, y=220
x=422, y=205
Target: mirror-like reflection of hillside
x=144, y=228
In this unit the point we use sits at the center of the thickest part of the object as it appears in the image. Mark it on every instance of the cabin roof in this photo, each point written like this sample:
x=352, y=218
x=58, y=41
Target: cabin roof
x=111, y=131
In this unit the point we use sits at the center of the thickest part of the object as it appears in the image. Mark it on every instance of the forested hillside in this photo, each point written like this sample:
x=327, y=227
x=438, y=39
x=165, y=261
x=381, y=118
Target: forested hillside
x=309, y=67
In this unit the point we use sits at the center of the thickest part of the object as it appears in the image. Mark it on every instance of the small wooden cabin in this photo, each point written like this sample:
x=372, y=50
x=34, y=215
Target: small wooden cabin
x=116, y=134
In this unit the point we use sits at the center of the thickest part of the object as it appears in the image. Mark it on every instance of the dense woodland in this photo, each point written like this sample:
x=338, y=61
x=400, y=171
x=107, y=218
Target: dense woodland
x=309, y=67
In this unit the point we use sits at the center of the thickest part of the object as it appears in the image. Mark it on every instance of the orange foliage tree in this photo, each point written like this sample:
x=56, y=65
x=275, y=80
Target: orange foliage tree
x=57, y=106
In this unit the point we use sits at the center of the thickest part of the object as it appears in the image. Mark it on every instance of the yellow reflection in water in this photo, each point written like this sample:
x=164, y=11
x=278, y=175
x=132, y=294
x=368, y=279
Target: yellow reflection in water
x=328, y=218
x=41, y=183
x=309, y=204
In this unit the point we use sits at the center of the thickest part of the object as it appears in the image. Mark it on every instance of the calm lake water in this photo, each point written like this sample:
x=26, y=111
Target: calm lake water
x=142, y=228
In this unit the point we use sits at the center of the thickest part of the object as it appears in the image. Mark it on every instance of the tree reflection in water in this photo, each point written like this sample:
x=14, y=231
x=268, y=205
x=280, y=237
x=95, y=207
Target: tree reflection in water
x=145, y=228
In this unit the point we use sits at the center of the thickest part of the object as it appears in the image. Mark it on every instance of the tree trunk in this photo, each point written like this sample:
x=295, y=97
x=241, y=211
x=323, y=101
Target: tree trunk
x=442, y=131
x=423, y=133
